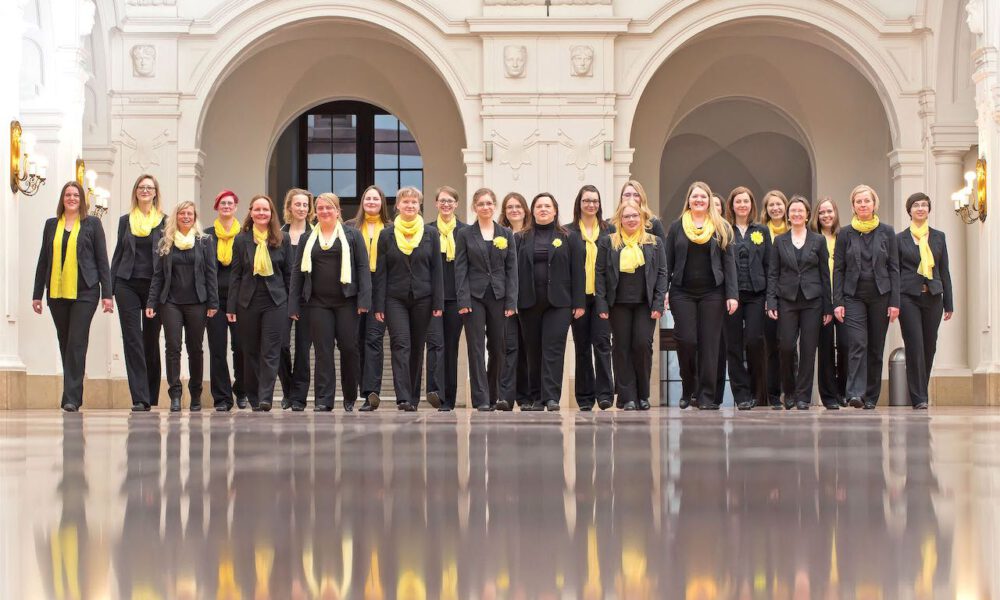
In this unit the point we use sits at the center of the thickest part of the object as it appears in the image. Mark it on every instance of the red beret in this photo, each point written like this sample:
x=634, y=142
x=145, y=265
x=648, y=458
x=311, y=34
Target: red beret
x=222, y=195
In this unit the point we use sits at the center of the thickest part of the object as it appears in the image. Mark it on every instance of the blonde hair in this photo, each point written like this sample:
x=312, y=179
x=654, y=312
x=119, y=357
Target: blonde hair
x=332, y=199
x=644, y=217
x=167, y=241
x=310, y=216
x=723, y=230
x=765, y=217
x=410, y=192
x=135, y=191
x=864, y=188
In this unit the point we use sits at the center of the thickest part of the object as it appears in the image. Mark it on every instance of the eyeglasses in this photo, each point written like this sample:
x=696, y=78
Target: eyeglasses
x=447, y=202
x=146, y=188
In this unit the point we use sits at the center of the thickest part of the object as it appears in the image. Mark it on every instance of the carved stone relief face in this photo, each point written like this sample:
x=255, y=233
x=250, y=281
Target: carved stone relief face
x=581, y=61
x=974, y=16
x=515, y=58
x=144, y=60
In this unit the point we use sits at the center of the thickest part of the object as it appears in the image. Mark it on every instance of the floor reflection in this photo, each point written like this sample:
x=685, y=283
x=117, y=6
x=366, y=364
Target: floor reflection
x=574, y=505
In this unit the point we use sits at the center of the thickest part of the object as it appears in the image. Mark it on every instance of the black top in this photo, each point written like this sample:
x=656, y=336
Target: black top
x=723, y=264
x=65, y=244
x=127, y=249
x=866, y=256
x=567, y=281
x=480, y=265
x=632, y=286
x=222, y=271
x=911, y=282
x=182, y=282
x=794, y=271
x=91, y=260
x=142, y=268
x=402, y=277
x=301, y=285
x=327, y=290
x=698, y=269
x=882, y=262
x=243, y=283
x=447, y=266
x=540, y=259
x=751, y=257
x=199, y=275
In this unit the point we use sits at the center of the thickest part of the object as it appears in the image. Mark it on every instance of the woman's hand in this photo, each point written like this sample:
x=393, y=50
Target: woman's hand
x=464, y=310
x=108, y=305
x=839, y=313
x=666, y=302
x=655, y=315
x=36, y=305
x=827, y=319
x=362, y=311
x=437, y=313
x=211, y=312
x=380, y=317
x=294, y=317
x=578, y=312
x=603, y=316
x=509, y=313
x=773, y=314
x=150, y=313
x=231, y=317
x=893, y=313
x=732, y=305
x=947, y=316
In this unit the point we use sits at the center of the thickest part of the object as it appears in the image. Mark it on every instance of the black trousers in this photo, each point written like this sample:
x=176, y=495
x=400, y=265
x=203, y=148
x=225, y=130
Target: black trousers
x=592, y=341
x=340, y=324
x=293, y=372
x=221, y=336
x=190, y=320
x=772, y=366
x=832, y=375
x=371, y=333
x=514, y=384
x=544, y=329
x=867, y=320
x=72, y=319
x=407, y=321
x=919, y=319
x=263, y=331
x=484, y=335
x=745, y=351
x=799, y=322
x=720, y=373
x=442, y=353
x=140, y=340
x=632, y=350
x=698, y=331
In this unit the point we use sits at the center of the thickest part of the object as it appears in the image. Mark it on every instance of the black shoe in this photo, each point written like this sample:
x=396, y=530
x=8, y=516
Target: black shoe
x=644, y=404
x=856, y=402
x=708, y=406
x=264, y=407
x=348, y=407
x=604, y=404
x=195, y=406
x=434, y=399
x=298, y=407
x=869, y=405
x=222, y=407
x=321, y=408
x=802, y=405
x=587, y=408
x=503, y=405
x=552, y=406
x=920, y=406
x=175, y=405
x=842, y=402
x=789, y=403
x=140, y=407
x=241, y=402
x=485, y=408
x=406, y=407
x=70, y=407
x=372, y=400
x=446, y=408
x=630, y=405
x=366, y=407
x=831, y=405
x=684, y=402
x=744, y=405
x=532, y=407
x=285, y=403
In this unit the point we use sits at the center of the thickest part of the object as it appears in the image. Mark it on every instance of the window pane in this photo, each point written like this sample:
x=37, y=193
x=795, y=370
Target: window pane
x=388, y=181
x=413, y=178
x=385, y=155
x=409, y=156
x=319, y=155
x=344, y=155
x=345, y=128
x=345, y=183
x=386, y=128
x=404, y=133
x=319, y=127
x=319, y=182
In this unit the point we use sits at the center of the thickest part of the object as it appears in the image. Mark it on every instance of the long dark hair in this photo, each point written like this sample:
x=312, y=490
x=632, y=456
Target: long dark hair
x=274, y=235
x=60, y=208
x=555, y=220
x=359, y=219
x=578, y=210
x=516, y=197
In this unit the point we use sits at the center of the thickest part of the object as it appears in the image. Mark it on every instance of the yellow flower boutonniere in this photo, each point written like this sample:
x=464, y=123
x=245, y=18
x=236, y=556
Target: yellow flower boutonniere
x=757, y=238
x=500, y=243
x=557, y=242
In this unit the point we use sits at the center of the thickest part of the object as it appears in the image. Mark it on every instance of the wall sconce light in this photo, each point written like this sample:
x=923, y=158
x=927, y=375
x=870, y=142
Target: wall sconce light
x=27, y=173
x=97, y=197
x=488, y=151
x=608, y=150
x=975, y=187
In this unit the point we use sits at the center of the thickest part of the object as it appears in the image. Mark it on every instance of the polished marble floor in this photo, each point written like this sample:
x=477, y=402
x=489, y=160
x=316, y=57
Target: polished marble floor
x=867, y=505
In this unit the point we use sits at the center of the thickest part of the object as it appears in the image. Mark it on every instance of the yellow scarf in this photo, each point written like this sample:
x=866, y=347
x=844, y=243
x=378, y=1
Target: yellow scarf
x=777, y=230
x=261, y=257
x=831, y=245
x=408, y=234
x=447, y=238
x=696, y=235
x=865, y=226
x=346, y=264
x=923, y=236
x=631, y=256
x=371, y=241
x=62, y=282
x=142, y=225
x=591, y=263
x=184, y=242
x=224, y=245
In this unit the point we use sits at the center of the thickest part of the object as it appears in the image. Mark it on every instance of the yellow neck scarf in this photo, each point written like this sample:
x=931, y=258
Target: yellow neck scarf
x=184, y=242
x=224, y=245
x=142, y=225
x=371, y=241
x=591, y=262
x=408, y=234
x=261, y=258
x=923, y=235
x=346, y=264
x=447, y=238
x=865, y=226
x=631, y=256
x=831, y=245
x=695, y=234
x=62, y=282
x=777, y=230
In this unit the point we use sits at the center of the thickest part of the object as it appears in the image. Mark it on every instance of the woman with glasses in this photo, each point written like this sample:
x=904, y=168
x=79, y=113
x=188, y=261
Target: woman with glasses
x=514, y=385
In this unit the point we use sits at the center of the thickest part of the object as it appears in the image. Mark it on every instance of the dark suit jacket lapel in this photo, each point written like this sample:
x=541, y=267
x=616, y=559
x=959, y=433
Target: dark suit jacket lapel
x=789, y=249
x=476, y=240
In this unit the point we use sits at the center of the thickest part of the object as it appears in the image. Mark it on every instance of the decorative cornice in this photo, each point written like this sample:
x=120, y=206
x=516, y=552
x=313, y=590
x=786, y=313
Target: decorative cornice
x=525, y=26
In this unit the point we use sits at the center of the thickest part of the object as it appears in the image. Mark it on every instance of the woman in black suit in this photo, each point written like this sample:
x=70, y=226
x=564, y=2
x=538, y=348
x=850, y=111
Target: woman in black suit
x=832, y=376
x=370, y=220
x=774, y=215
x=865, y=294
x=591, y=334
x=258, y=298
x=551, y=293
x=330, y=276
x=925, y=294
x=223, y=233
x=631, y=285
x=73, y=270
x=745, y=327
x=185, y=293
x=798, y=298
x=486, y=282
x=131, y=274
x=294, y=373
x=445, y=333
x=409, y=290
x=514, y=385
x=703, y=288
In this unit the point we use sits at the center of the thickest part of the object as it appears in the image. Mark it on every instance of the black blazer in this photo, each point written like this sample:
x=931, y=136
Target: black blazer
x=398, y=275
x=723, y=263
x=473, y=266
x=786, y=274
x=911, y=282
x=567, y=277
x=123, y=259
x=448, y=269
x=205, y=273
x=759, y=255
x=242, y=281
x=609, y=270
x=656, y=228
x=847, y=263
x=223, y=272
x=361, y=280
x=91, y=257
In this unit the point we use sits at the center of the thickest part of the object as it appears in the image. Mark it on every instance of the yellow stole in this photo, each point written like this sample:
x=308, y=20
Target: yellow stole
x=447, y=231
x=141, y=224
x=371, y=241
x=777, y=230
x=224, y=245
x=631, y=257
x=261, y=257
x=695, y=234
x=408, y=234
x=923, y=236
x=591, y=261
x=62, y=281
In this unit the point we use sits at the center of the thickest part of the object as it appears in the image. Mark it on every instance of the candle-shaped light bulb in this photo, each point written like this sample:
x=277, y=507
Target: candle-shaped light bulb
x=970, y=178
x=957, y=199
x=91, y=177
x=28, y=143
x=32, y=166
